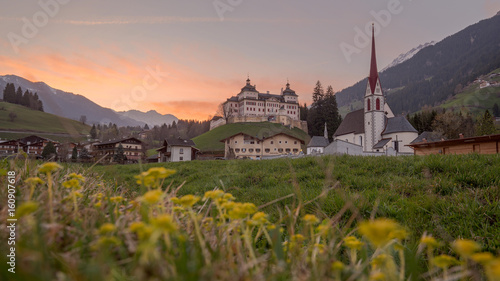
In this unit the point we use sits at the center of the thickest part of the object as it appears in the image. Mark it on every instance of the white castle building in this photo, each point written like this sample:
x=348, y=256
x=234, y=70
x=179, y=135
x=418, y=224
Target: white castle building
x=374, y=129
x=249, y=105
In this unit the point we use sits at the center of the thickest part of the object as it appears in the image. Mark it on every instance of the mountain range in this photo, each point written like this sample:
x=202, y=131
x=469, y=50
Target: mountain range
x=433, y=74
x=73, y=106
x=406, y=56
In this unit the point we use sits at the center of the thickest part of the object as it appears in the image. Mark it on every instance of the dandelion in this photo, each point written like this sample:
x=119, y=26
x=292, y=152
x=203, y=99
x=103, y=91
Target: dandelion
x=378, y=231
x=107, y=241
x=76, y=177
x=337, y=267
x=377, y=276
x=213, y=194
x=493, y=270
x=188, y=200
x=106, y=228
x=164, y=223
x=26, y=208
x=310, y=219
x=444, y=262
x=47, y=169
x=465, y=248
x=430, y=241
x=116, y=199
x=152, y=197
x=482, y=258
x=352, y=242
x=72, y=183
x=33, y=182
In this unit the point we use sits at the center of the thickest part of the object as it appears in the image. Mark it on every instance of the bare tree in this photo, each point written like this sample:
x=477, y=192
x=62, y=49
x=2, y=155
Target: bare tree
x=221, y=111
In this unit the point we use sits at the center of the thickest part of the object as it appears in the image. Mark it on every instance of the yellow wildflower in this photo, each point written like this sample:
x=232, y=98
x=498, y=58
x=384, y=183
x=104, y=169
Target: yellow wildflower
x=337, y=266
x=213, y=194
x=430, y=241
x=49, y=167
x=260, y=217
x=379, y=260
x=352, y=242
x=72, y=183
x=298, y=238
x=310, y=219
x=26, y=208
x=228, y=197
x=164, y=223
x=153, y=196
x=188, y=200
x=116, y=199
x=465, y=247
x=377, y=276
x=76, y=176
x=98, y=204
x=378, y=231
x=108, y=241
x=159, y=172
x=493, y=270
x=242, y=210
x=107, y=228
x=34, y=181
x=228, y=205
x=445, y=261
x=482, y=258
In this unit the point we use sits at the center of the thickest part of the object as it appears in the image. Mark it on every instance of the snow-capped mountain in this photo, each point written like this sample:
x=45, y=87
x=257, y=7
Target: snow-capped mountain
x=152, y=118
x=404, y=57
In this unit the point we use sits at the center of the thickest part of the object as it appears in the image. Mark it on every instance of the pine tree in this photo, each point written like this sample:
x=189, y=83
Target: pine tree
x=146, y=127
x=85, y=155
x=93, y=132
x=49, y=151
x=496, y=110
x=485, y=125
x=318, y=92
x=9, y=93
x=19, y=96
x=120, y=155
x=25, y=101
x=330, y=112
x=74, y=154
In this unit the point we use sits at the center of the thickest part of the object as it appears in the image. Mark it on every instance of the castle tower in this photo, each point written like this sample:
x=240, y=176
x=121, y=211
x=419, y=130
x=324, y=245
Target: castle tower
x=374, y=104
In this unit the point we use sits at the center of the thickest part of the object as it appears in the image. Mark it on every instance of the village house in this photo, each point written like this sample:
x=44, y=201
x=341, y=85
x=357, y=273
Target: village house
x=8, y=147
x=243, y=145
x=34, y=145
x=317, y=145
x=177, y=150
x=481, y=145
x=132, y=149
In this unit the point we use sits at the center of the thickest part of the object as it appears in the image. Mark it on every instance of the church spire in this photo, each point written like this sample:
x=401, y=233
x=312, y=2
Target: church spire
x=373, y=78
x=325, y=133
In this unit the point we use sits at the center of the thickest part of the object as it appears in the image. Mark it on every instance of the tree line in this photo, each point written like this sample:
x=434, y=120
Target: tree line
x=28, y=99
x=324, y=110
x=450, y=124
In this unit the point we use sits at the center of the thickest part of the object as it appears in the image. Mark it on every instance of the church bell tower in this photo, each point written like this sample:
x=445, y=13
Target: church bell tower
x=374, y=104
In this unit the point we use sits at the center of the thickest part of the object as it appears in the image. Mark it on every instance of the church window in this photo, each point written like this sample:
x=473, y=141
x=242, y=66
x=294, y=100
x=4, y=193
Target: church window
x=368, y=106
x=377, y=104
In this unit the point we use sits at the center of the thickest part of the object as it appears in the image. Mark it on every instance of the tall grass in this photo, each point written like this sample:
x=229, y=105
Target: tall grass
x=100, y=230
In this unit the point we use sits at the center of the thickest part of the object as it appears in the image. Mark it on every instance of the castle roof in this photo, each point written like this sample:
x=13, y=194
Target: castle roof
x=288, y=91
x=248, y=87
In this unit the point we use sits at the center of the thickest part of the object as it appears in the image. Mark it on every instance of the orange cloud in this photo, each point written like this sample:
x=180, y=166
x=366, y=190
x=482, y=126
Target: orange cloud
x=187, y=109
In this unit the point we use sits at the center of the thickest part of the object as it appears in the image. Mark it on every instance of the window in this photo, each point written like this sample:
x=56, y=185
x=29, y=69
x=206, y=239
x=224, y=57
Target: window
x=267, y=150
x=227, y=141
x=288, y=150
x=181, y=151
x=243, y=150
x=250, y=150
x=235, y=141
x=280, y=150
x=279, y=141
x=286, y=141
x=295, y=150
x=257, y=150
x=181, y=158
x=377, y=104
x=237, y=150
x=295, y=142
x=272, y=142
x=368, y=105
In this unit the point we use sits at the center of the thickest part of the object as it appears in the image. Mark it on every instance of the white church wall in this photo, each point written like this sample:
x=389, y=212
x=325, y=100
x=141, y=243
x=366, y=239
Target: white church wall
x=405, y=138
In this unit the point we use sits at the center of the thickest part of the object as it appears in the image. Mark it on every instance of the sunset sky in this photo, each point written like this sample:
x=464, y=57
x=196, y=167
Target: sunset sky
x=186, y=57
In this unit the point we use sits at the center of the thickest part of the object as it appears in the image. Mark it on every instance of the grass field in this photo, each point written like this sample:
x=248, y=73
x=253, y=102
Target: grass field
x=324, y=218
x=37, y=121
x=211, y=140
x=451, y=196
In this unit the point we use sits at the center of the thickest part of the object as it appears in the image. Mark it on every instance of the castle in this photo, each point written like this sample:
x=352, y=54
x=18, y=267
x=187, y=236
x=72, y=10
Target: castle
x=252, y=106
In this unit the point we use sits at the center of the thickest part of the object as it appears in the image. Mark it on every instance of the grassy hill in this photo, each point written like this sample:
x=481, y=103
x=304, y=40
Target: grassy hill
x=474, y=99
x=37, y=122
x=210, y=141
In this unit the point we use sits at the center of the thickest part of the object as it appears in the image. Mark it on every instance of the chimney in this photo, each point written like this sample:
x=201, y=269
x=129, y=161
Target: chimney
x=461, y=136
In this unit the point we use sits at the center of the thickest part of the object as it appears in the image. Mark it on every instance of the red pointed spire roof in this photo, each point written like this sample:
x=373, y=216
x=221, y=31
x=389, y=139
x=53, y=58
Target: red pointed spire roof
x=373, y=78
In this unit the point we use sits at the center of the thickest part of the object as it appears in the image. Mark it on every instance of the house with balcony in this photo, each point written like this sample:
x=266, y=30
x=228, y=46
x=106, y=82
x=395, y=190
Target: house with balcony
x=133, y=149
x=177, y=150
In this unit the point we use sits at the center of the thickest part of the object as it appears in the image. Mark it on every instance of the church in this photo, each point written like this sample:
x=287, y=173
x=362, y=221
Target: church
x=373, y=130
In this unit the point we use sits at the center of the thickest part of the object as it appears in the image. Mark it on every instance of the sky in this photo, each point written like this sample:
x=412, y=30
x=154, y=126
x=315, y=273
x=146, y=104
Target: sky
x=186, y=57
